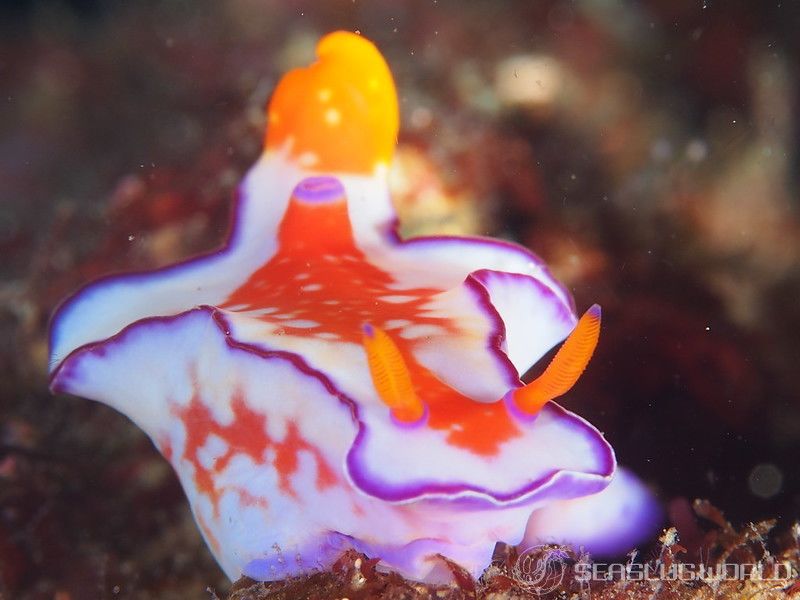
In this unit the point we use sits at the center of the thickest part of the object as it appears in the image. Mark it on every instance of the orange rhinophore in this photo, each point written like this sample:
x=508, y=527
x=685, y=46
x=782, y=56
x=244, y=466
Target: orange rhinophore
x=566, y=367
x=339, y=114
x=391, y=377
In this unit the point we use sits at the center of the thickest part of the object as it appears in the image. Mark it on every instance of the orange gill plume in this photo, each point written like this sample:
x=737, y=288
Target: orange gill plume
x=340, y=114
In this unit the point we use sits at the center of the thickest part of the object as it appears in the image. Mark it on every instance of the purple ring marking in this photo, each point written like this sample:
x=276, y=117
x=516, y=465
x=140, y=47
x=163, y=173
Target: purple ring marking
x=423, y=420
x=514, y=410
x=319, y=189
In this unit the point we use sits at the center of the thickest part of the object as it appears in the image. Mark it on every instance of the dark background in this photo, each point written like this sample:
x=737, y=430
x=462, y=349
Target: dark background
x=657, y=172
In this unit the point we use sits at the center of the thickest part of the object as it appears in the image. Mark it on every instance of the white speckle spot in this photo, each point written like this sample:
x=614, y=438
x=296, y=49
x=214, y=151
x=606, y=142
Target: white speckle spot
x=311, y=287
x=333, y=117
x=237, y=307
x=331, y=302
x=396, y=323
x=302, y=324
x=213, y=448
x=260, y=312
x=285, y=316
x=302, y=276
x=417, y=331
x=327, y=335
x=397, y=298
x=307, y=159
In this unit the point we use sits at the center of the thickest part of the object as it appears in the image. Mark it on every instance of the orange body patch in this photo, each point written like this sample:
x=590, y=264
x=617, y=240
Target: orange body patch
x=320, y=284
x=245, y=434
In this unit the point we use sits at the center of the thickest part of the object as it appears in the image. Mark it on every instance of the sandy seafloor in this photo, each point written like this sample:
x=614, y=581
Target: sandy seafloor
x=647, y=150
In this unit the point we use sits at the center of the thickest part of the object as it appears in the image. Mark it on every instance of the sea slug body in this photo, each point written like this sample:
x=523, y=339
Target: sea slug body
x=319, y=384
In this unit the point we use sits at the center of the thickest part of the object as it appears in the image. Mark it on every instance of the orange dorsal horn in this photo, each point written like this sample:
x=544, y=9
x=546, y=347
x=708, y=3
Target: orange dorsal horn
x=391, y=377
x=566, y=367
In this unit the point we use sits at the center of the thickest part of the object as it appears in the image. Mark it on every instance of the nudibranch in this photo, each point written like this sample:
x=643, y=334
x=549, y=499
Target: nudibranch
x=320, y=384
